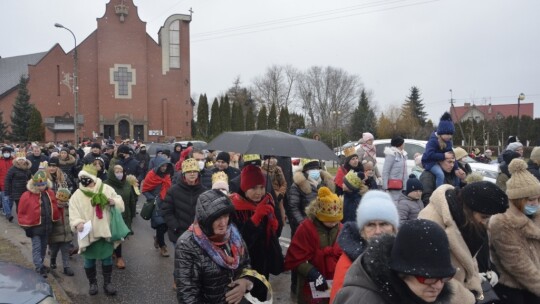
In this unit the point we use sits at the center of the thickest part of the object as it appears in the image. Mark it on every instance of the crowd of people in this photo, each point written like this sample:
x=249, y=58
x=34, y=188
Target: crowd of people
x=435, y=234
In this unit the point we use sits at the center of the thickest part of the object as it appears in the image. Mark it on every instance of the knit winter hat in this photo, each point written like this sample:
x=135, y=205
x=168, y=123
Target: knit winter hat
x=535, y=154
x=6, y=149
x=367, y=136
x=190, y=165
x=124, y=149
x=522, y=183
x=210, y=206
x=421, y=248
x=310, y=164
x=460, y=153
x=220, y=180
x=514, y=146
x=376, y=205
x=446, y=126
x=329, y=206
x=224, y=156
x=96, y=145
x=413, y=184
x=397, y=141
x=252, y=159
x=250, y=177
x=352, y=180
x=40, y=178
x=54, y=161
x=484, y=197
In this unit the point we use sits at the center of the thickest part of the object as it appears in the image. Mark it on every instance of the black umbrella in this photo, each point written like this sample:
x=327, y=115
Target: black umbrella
x=271, y=142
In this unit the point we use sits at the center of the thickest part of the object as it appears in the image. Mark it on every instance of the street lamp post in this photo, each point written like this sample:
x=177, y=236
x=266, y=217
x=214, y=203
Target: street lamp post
x=520, y=98
x=336, y=115
x=75, y=85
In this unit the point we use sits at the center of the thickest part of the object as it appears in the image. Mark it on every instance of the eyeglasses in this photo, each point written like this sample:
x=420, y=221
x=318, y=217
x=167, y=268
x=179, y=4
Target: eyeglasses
x=431, y=281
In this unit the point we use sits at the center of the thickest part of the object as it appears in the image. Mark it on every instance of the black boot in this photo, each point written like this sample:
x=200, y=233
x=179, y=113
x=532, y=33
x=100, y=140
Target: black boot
x=53, y=263
x=107, y=285
x=91, y=275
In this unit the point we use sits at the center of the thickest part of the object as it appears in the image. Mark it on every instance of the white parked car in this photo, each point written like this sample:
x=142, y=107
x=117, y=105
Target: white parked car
x=412, y=146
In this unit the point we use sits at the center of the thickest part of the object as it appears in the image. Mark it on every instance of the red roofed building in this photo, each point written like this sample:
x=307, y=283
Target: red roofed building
x=490, y=112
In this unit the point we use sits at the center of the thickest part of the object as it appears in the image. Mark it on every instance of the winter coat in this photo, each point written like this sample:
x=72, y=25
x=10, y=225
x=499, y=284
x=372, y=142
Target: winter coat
x=515, y=249
x=157, y=192
x=302, y=192
x=5, y=164
x=501, y=180
x=198, y=278
x=230, y=171
x=433, y=153
x=534, y=169
x=178, y=207
x=175, y=155
x=395, y=167
x=353, y=245
x=428, y=183
x=363, y=155
x=417, y=171
x=69, y=167
x=82, y=211
x=275, y=175
x=61, y=231
x=312, y=246
x=351, y=200
x=124, y=189
x=467, y=272
x=374, y=282
x=36, y=160
x=16, y=179
x=37, y=210
x=131, y=167
x=408, y=208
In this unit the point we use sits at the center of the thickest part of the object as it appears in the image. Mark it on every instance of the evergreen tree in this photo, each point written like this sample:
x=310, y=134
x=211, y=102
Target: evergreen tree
x=296, y=121
x=225, y=114
x=36, y=129
x=272, y=117
x=363, y=118
x=241, y=121
x=237, y=117
x=215, y=122
x=250, y=119
x=193, y=128
x=283, y=120
x=413, y=105
x=202, y=117
x=3, y=128
x=262, y=119
x=20, y=116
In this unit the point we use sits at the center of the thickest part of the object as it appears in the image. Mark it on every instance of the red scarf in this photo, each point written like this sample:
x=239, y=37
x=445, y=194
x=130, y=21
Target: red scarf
x=153, y=180
x=245, y=210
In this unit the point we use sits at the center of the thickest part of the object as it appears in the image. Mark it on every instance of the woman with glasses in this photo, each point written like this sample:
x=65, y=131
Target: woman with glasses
x=412, y=267
x=515, y=239
x=464, y=215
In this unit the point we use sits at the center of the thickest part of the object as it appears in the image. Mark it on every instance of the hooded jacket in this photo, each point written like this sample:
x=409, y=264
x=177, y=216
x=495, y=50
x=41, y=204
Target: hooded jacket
x=408, y=208
x=156, y=184
x=433, y=153
x=374, y=282
x=395, y=166
x=124, y=189
x=16, y=178
x=31, y=211
x=302, y=192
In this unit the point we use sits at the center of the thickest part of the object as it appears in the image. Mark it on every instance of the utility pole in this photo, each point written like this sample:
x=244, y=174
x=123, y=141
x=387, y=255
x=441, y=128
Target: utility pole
x=455, y=114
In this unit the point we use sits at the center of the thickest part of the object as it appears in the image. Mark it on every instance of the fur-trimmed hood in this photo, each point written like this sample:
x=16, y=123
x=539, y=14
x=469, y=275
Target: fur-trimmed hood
x=393, y=151
x=32, y=188
x=70, y=161
x=26, y=165
x=350, y=241
x=300, y=179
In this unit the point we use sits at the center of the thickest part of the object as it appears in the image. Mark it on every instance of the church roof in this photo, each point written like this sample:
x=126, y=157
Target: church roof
x=11, y=69
x=493, y=111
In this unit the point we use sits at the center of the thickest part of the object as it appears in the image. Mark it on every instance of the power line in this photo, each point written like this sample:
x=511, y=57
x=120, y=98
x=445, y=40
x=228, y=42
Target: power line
x=219, y=36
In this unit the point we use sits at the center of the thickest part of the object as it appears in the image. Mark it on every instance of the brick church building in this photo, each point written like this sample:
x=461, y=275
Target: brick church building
x=130, y=86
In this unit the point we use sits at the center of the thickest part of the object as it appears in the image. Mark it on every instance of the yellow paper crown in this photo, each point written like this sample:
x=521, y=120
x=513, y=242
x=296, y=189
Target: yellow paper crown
x=251, y=157
x=349, y=151
x=189, y=165
x=306, y=161
x=20, y=154
x=90, y=169
x=220, y=177
x=43, y=165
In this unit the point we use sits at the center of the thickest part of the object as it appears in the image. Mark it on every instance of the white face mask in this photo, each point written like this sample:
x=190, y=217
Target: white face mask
x=201, y=164
x=7, y=155
x=119, y=175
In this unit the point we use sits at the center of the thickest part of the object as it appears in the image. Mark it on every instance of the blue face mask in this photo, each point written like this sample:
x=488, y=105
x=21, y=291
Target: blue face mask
x=314, y=174
x=530, y=209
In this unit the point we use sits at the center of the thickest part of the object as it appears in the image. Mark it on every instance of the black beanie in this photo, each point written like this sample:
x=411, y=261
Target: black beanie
x=96, y=145
x=397, y=141
x=6, y=149
x=54, y=161
x=485, y=197
x=210, y=206
x=413, y=184
x=123, y=149
x=421, y=248
x=224, y=156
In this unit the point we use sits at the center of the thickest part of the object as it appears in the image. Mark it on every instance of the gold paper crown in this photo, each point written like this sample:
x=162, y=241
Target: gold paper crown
x=90, y=169
x=251, y=157
x=349, y=151
x=20, y=154
x=43, y=165
x=209, y=164
x=305, y=161
x=190, y=165
x=220, y=177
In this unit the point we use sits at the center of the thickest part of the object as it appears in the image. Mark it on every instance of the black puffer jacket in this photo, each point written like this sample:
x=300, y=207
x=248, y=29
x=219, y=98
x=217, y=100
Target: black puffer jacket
x=198, y=278
x=178, y=208
x=16, y=178
x=534, y=169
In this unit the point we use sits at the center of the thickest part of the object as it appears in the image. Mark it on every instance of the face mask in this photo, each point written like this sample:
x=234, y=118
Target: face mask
x=85, y=181
x=7, y=155
x=201, y=164
x=530, y=209
x=119, y=176
x=314, y=174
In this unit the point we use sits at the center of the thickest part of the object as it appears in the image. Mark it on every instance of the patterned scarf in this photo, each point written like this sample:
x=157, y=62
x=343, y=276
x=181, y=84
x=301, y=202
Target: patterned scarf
x=370, y=150
x=98, y=200
x=232, y=239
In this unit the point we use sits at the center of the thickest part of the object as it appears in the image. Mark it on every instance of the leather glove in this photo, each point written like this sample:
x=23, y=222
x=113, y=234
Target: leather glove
x=490, y=276
x=318, y=280
x=28, y=233
x=261, y=211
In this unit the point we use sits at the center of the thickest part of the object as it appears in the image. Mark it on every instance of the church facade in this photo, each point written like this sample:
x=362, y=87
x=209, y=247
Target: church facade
x=129, y=85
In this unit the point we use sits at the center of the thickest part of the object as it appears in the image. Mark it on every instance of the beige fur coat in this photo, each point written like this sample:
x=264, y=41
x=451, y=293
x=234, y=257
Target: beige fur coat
x=467, y=272
x=515, y=249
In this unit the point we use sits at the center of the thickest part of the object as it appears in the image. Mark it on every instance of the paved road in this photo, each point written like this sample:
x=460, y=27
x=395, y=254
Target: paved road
x=148, y=276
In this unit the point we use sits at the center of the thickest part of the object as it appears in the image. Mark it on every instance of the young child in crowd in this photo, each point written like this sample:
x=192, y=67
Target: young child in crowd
x=353, y=189
x=369, y=172
x=439, y=147
x=409, y=202
x=61, y=237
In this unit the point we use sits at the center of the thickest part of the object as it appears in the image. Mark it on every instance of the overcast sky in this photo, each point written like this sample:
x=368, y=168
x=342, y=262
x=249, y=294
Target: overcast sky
x=484, y=50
